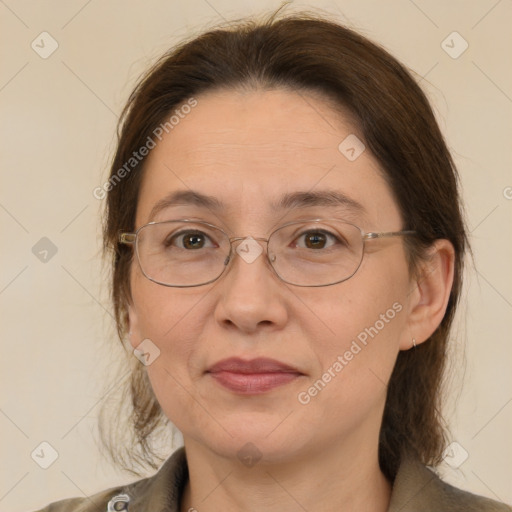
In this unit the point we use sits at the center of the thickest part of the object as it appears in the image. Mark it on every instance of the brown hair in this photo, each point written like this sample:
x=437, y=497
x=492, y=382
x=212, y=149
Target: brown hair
x=305, y=52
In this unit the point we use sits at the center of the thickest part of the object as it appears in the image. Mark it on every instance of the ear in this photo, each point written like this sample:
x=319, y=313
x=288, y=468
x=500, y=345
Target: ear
x=429, y=294
x=134, y=332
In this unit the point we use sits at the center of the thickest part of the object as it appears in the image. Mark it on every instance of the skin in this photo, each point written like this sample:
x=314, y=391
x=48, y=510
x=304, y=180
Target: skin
x=248, y=148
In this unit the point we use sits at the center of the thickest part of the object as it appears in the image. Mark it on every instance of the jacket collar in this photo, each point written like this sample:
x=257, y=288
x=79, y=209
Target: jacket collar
x=415, y=489
x=161, y=492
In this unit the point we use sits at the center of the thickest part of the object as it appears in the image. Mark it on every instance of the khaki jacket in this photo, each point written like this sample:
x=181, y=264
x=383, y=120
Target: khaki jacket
x=416, y=489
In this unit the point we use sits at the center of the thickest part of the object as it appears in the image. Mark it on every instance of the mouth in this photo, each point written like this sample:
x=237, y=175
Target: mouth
x=252, y=377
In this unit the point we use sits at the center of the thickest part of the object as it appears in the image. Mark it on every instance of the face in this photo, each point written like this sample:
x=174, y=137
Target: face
x=248, y=149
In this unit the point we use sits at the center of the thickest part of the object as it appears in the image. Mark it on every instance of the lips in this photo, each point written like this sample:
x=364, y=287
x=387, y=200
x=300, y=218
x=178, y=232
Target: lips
x=260, y=365
x=255, y=376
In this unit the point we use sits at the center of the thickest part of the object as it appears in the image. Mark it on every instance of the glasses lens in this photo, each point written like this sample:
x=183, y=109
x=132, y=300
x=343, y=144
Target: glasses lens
x=316, y=253
x=178, y=253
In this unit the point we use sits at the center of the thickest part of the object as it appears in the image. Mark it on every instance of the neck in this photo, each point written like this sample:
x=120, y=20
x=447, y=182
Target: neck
x=344, y=478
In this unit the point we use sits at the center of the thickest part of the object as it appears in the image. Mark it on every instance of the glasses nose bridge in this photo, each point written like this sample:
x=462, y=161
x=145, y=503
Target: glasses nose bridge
x=239, y=238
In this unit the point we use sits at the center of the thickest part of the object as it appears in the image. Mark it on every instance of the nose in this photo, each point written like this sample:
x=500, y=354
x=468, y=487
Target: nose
x=251, y=296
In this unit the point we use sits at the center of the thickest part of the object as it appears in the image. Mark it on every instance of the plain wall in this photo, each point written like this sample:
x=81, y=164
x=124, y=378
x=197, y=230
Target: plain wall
x=58, y=118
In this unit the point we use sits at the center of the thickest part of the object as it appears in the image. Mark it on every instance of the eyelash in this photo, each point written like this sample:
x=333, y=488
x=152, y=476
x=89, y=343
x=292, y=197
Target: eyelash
x=168, y=240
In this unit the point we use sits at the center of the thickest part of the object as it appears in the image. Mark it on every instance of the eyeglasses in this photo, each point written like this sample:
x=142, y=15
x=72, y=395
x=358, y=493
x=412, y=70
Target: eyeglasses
x=186, y=253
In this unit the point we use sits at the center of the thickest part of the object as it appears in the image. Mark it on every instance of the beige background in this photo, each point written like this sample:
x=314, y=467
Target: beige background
x=57, y=123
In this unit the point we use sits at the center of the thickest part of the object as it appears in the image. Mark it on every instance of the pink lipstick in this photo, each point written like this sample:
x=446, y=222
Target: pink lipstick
x=252, y=377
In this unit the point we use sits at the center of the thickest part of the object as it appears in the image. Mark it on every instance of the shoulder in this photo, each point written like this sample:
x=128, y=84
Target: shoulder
x=96, y=503
x=418, y=489
x=159, y=493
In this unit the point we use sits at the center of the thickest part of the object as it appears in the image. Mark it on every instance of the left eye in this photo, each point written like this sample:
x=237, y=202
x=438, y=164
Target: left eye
x=316, y=240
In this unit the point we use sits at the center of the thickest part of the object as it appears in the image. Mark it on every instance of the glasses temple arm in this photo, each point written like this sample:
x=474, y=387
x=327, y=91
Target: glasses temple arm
x=387, y=234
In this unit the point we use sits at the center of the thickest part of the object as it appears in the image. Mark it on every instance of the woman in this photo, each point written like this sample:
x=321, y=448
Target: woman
x=287, y=243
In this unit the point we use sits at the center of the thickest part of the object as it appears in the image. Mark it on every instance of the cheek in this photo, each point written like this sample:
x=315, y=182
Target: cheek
x=364, y=319
x=355, y=363
x=172, y=321
x=160, y=311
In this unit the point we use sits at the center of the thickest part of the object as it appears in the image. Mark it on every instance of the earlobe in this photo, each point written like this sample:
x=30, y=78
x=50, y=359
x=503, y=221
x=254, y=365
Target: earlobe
x=430, y=294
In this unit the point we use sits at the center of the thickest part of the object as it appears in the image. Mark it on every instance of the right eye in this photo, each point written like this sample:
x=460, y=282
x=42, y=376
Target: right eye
x=313, y=238
x=190, y=240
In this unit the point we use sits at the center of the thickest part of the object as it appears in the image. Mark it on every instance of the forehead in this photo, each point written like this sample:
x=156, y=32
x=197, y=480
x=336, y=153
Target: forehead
x=253, y=150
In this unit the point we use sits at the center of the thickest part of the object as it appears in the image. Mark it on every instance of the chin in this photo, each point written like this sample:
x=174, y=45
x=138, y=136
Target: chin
x=257, y=451
x=256, y=437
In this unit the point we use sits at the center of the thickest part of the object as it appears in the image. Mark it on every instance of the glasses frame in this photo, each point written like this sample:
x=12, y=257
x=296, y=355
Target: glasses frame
x=127, y=238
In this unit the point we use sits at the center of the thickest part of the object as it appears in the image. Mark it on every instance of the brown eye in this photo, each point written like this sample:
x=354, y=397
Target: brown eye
x=190, y=240
x=193, y=241
x=316, y=240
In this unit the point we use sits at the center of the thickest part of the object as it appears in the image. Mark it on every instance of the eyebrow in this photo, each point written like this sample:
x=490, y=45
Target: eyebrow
x=290, y=200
